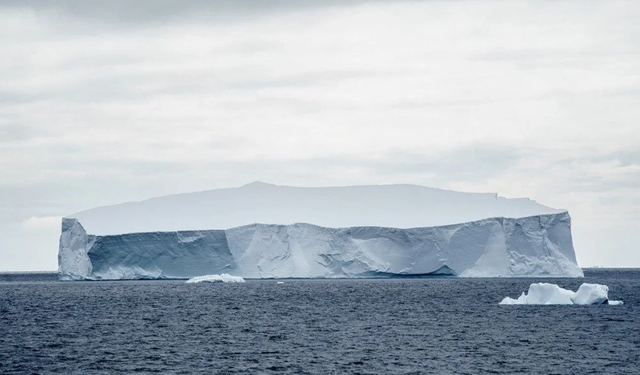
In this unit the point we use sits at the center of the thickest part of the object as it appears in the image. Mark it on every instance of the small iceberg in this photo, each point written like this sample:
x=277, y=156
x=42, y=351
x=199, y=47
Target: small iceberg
x=551, y=294
x=222, y=278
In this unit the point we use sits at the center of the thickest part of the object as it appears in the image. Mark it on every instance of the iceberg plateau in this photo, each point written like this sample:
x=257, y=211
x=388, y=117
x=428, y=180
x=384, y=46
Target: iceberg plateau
x=551, y=294
x=223, y=278
x=268, y=231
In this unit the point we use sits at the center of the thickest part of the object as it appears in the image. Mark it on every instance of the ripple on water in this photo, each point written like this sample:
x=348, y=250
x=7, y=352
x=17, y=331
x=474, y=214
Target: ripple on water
x=406, y=326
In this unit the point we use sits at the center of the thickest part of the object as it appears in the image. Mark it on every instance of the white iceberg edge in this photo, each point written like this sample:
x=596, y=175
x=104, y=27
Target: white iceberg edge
x=552, y=294
x=222, y=278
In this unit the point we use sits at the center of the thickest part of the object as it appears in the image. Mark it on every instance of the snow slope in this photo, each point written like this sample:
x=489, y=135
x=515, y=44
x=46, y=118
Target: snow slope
x=267, y=231
x=392, y=206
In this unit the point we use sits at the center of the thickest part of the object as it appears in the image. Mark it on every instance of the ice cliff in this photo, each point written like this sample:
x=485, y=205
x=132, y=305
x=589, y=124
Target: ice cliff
x=358, y=231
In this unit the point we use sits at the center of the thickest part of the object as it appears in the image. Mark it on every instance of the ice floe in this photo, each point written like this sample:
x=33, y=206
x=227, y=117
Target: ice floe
x=552, y=294
x=222, y=278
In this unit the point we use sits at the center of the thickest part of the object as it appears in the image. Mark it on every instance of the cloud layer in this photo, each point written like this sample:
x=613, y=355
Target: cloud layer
x=104, y=102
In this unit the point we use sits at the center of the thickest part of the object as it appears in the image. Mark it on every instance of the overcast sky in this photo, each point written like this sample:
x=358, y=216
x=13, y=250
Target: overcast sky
x=112, y=101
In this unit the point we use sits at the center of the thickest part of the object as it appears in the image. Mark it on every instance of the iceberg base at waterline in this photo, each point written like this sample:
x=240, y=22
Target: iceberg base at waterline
x=552, y=294
x=222, y=278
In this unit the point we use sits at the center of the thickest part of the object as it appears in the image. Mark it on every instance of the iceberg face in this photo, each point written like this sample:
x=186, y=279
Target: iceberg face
x=551, y=294
x=141, y=255
x=382, y=236
x=73, y=260
x=485, y=248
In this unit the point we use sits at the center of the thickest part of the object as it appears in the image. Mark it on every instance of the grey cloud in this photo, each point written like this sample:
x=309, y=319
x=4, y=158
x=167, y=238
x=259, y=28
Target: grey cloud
x=548, y=56
x=626, y=157
x=603, y=185
x=470, y=163
x=14, y=131
x=15, y=97
x=439, y=103
x=239, y=78
x=132, y=86
x=307, y=79
x=124, y=12
x=90, y=85
x=467, y=163
x=631, y=90
x=592, y=182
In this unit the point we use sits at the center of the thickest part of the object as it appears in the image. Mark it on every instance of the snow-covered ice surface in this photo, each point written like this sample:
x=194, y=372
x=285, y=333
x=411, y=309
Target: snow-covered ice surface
x=391, y=206
x=223, y=278
x=267, y=231
x=552, y=294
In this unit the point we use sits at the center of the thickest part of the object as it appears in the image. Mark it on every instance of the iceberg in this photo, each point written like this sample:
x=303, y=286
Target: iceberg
x=223, y=278
x=551, y=294
x=267, y=231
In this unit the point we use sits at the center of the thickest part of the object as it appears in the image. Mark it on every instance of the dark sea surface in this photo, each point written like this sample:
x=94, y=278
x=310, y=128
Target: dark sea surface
x=379, y=326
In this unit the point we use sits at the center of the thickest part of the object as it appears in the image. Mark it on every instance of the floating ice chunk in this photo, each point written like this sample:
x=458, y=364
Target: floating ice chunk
x=591, y=294
x=542, y=294
x=222, y=278
x=551, y=294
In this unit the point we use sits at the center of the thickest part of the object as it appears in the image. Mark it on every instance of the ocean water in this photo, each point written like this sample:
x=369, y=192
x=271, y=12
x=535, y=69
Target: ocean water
x=383, y=326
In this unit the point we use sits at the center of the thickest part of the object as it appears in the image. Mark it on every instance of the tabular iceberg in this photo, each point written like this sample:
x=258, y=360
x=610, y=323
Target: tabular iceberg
x=359, y=231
